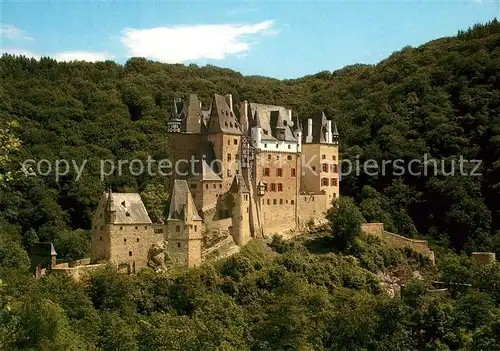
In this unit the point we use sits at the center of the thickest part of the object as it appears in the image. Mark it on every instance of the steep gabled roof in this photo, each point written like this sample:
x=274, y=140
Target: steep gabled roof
x=271, y=118
x=319, y=128
x=238, y=185
x=181, y=203
x=222, y=119
x=128, y=208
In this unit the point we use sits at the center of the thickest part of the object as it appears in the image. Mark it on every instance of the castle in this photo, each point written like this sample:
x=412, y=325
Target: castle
x=255, y=176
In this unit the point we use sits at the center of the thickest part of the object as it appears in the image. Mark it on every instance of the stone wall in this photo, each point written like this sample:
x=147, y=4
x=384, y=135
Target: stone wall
x=130, y=244
x=483, y=257
x=311, y=206
x=398, y=241
x=77, y=272
x=279, y=202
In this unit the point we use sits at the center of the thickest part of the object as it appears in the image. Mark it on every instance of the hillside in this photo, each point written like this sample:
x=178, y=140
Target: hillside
x=441, y=99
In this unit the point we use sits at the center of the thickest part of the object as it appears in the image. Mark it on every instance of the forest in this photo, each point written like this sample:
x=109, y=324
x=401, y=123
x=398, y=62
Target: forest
x=441, y=99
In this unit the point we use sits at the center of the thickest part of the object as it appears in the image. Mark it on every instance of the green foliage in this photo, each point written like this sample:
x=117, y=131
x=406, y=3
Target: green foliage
x=345, y=222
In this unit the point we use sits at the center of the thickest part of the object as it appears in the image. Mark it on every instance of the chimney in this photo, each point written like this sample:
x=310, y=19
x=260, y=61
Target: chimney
x=229, y=100
x=244, y=117
x=329, y=132
x=309, y=136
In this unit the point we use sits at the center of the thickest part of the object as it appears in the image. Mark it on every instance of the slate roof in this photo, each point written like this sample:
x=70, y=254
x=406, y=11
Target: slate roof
x=222, y=119
x=180, y=200
x=189, y=113
x=128, y=208
x=270, y=118
x=238, y=185
x=319, y=128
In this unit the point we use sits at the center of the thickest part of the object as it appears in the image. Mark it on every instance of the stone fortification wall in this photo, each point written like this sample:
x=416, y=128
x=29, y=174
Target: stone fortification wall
x=398, y=241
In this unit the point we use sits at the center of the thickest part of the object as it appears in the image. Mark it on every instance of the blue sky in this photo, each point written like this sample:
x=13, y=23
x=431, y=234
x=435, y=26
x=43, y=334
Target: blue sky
x=281, y=39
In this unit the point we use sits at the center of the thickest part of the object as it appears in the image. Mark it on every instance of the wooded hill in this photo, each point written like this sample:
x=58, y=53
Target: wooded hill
x=441, y=99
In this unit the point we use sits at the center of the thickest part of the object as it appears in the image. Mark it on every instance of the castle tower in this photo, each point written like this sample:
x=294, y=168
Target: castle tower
x=184, y=227
x=240, y=212
x=122, y=232
x=320, y=151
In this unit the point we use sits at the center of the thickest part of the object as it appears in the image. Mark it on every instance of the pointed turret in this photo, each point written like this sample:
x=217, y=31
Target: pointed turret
x=335, y=134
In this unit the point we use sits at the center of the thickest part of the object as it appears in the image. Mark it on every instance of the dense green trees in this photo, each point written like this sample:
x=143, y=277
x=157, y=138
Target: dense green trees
x=441, y=100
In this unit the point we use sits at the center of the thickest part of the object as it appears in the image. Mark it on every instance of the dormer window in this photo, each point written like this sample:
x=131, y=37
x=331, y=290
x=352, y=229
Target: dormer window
x=123, y=203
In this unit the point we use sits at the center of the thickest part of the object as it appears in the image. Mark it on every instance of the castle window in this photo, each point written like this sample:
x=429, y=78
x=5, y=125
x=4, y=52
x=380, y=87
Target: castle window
x=177, y=228
x=100, y=238
x=289, y=147
x=280, y=187
x=266, y=172
x=324, y=181
x=121, y=228
x=100, y=216
x=158, y=231
x=265, y=186
x=178, y=244
x=125, y=240
x=123, y=203
x=194, y=185
x=334, y=168
x=324, y=167
x=333, y=182
x=137, y=239
x=247, y=209
x=130, y=253
x=279, y=172
x=292, y=201
x=206, y=186
x=289, y=157
x=277, y=157
x=334, y=195
x=286, y=202
x=314, y=168
x=220, y=186
x=229, y=142
x=293, y=172
x=273, y=187
x=268, y=201
x=215, y=186
x=225, y=123
x=236, y=157
x=269, y=157
x=229, y=157
x=275, y=201
x=323, y=157
x=231, y=124
x=95, y=227
x=265, y=145
x=334, y=158
x=281, y=201
x=136, y=227
x=312, y=198
x=265, y=132
x=127, y=214
x=228, y=172
x=195, y=228
x=246, y=197
x=277, y=146
x=102, y=227
x=235, y=141
x=145, y=227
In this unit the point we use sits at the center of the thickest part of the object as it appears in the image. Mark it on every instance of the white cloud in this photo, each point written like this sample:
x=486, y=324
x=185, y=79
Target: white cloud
x=21, y=52
x=12, y=32
x=89, y=56
x=183, y=43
